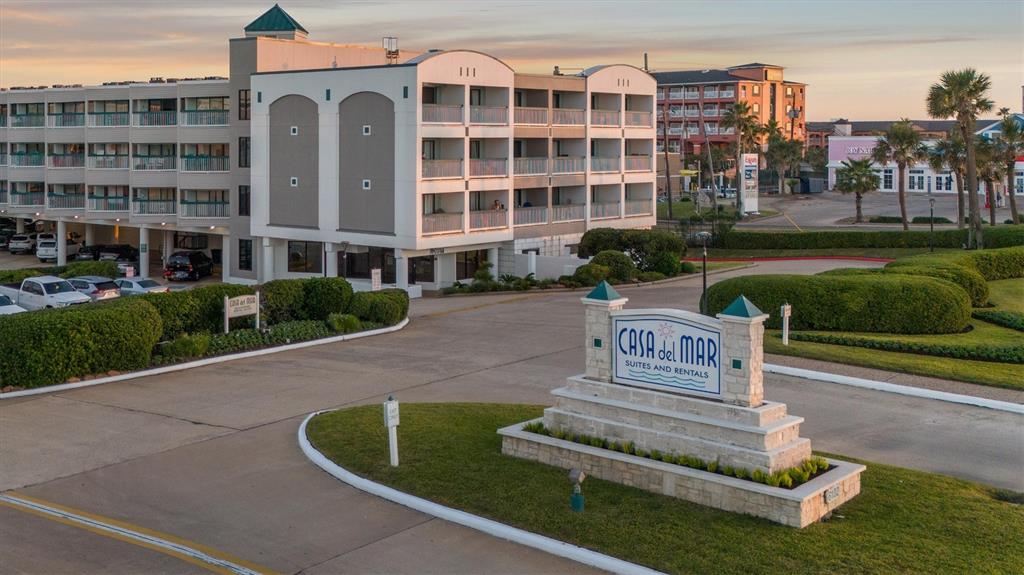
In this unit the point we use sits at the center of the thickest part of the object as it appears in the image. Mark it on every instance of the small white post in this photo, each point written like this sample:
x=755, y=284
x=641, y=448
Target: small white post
x=225, y=314
x=257, y=310
x=391, y=422
x=786, y=311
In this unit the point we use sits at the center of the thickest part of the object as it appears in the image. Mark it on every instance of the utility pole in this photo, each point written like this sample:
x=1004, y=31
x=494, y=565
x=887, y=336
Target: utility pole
x=664, y=148
x=711, y=162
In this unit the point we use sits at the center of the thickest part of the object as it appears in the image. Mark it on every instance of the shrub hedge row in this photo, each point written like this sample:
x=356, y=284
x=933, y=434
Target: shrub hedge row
x=282, y=333
x=1000, y=237
x=969, y=280
x=991, y=264
x=620, y=266
x=387, y=306
x=885, y=303
x=73, y=269
x=1001, y=354
x=1010, y=319
x=644, y=247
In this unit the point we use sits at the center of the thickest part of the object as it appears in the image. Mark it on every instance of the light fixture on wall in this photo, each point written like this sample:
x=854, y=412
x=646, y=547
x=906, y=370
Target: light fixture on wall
x=211, y=227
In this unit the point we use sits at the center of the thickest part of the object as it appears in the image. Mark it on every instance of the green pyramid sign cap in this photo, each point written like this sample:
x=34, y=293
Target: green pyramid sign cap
x=742, y=307
x=603, y=292
x=275, y=20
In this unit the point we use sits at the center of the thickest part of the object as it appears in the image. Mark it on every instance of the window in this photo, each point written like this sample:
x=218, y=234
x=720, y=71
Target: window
x=475, y=149
x=476, y=97
x=916, y=180
x=204, y=150
x=771, y=100
x=429, y=150
x=429, y=95
x=210, y=103
x=366, y=130
x=294, y=131
x=421, y=269
x=244, y=104
x=887, y=179
x=756, y=89
x=789, y=90
x=366, y=184
x=243, y=152
x=359, y=264
x=245, y=254
x=305, y=257
x=466, y=263
x=756, y=108
x=243, y=200
x=293, y=182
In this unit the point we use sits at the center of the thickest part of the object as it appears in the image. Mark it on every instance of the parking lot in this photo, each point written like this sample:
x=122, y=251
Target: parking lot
x=9, y=261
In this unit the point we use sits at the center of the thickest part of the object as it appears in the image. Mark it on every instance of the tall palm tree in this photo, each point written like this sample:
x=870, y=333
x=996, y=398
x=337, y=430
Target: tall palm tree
x=990, y=170
x=857, y=177
x=900, y=145
x=1011, y=144
x=950, y=153
x=740, y=117
x=964, y=94
x=783, y=154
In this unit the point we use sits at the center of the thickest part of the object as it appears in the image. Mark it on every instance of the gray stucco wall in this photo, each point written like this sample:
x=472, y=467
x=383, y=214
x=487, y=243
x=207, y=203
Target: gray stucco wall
x=294, y=156
x=366, y=157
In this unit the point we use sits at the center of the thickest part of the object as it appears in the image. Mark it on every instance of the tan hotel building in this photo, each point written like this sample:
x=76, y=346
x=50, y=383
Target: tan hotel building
x=315, y=158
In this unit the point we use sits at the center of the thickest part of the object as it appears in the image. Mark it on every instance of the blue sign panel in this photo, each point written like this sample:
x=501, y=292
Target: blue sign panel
x=667, y=351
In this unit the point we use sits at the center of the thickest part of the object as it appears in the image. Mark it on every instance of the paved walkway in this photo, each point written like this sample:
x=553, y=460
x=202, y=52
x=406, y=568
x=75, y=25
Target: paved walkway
x=210, y=454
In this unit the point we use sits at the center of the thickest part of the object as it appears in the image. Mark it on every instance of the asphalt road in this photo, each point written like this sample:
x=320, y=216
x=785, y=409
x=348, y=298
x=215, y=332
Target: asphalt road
x=210, y=454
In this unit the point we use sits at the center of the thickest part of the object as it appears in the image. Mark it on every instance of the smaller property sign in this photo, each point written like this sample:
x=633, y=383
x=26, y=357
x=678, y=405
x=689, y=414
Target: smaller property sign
x=243, y=305
x=750, y=164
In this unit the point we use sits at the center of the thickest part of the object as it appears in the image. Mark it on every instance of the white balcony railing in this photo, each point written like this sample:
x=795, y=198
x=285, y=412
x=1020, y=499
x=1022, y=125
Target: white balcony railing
x=203, y=209
x=107, y=119
x=442, y=114
x=532, y=215
x=710, y=93
x=448, y=168
x=711, y=130
x=148, y=207
x=661, y=95
x=604, y=117
x=638, y=163
x=27, y=160
x=440, y=223
x=567, y=117
x=532, y=116
x=108, y=203
x=205, y=163
x=568, y=165
x=148, y=119
x=641, y=119
x=639, y=207
x=727, y=131
x=482, y=167
x=30, y=199
x=530, y=166
x=483, y=219
x=205, y=117
x=488, y=115
x=691, y=95
x=710, y=112
x=726, y=94
x=675, y=131
x=600, y=164
x=675, y=95
x=692, y=113
x=65, y=161
x=28, y=120
x=65, y=120
x=568, y=212
x=604, y=210
x=108, y=162
x=675, y=112
x=154, y=163
x=65, y=201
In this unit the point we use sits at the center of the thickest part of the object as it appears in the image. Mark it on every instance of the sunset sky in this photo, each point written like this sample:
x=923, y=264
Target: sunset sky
x=863, y=60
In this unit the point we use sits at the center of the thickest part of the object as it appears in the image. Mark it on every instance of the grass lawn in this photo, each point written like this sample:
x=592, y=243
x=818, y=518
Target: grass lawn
x=1006, y=295
x=686, y=209
x=891, y=253
x=903, y=521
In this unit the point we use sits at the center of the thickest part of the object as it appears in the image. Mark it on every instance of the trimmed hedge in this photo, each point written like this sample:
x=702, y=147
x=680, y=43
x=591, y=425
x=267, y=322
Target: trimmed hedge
x=343, y=323
x=387, y=306
x=324, y=296
x=990, y=264
x=282, y=300
x=47, y=347
x=1004, y=354
x=929, y=220
x=619, y=265
x=280, y=334
x=969, y=280
x=1010, y=319
x=884, y=303
x=73, y=269
x=591, y=274
x=210, y=302
x=999, y=237
x=178, y=311
x=642, y=246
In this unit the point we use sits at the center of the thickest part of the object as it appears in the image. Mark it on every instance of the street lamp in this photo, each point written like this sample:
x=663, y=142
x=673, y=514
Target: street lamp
x=931, y=217
x=704, y=237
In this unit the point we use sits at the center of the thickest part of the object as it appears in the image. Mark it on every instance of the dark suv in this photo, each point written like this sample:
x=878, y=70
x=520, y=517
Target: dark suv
x=188, y=266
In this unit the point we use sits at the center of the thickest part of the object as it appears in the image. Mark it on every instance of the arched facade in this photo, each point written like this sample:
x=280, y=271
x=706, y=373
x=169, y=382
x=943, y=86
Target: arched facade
x=366, y=163
x=294, y=175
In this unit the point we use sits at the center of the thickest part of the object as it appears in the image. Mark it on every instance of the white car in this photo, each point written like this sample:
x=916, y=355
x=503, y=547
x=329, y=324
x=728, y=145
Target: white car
x=22, y=244
x=40, y=292
x=7, y=307
x=140, y=286
x=98, y=288
x=47, y=250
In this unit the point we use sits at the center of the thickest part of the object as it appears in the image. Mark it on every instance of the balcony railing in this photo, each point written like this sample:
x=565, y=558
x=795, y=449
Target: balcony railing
x=66, y=201
x=72, y=120
x=661, y=95
x=107, y=119
x=27, y=198
x=3, y=158
x=639, y=208
x=638, y=163
x=568, y=212
x=27, y=120
x=3, y=197
x=28, y=160
x=604, y=117
x=147, y=119
x=530, y=166
x=205, y=163
x=3, y=120
x=203, y=209
x=484, y=219
x=568, y=165
x=109, y=162
x=711, y=130
x=710, y=93
x=534, y=116
x=440, y=223
x=148, y=207
x=599, y=164
x=108, y=203
x=692, y=113
x=442, y=114
x=530, y=216
x=604, y=210
x=66, y=160
x=692, y=95
x=442, y=168
x=568, y=117
x=675, y=113
x=710, y=112
x=726, y=131
x=153, y=163
x=205, y=117
x=726, y=94
x=675, y=95
x=642, y=119
x=488, y=115
x=675, y=131
x=488, y=167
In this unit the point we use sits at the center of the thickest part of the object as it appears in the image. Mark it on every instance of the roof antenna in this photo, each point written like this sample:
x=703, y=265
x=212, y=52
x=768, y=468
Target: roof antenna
x=390, y=45
x=645, y=63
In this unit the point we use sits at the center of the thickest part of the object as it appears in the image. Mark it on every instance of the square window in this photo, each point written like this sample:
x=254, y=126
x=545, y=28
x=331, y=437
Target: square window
x=294, y=182
x=366, y=130
x=295, y=131
x=366, y=184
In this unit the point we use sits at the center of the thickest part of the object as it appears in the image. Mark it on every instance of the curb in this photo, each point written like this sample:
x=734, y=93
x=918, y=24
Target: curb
x=894, y=388
x=202, y=362
x=488, y=526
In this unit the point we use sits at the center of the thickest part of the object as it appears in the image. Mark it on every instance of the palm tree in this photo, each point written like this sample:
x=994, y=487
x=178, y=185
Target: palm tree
x=857, y=177
x=740, y=117
x=900, y=145
x=783, y=154
x=963, y=94
x=990, y=170
x=1011, y=144
x=949, y=152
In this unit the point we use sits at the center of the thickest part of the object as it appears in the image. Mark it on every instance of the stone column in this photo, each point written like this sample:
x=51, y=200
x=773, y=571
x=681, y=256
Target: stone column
x=168, y=245
x=225, y=258
x=62, y=243
x=401, y=270
x=19, y=225
x=599, y=305
x=90, y=234
x=444, y=271
x=743, y=354
x=143, y=252
x=331, y=263
x=492, y=256
x=267, y=271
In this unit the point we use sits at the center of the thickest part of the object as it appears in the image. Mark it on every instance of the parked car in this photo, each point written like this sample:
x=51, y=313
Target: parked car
x=7, y=306
x=5, y=238
x=727, y=193
x=22, y=244
x=88, y=253
x=126, y=256
x=140, y=286
x=43, y=292
x=96, y=287
x=188, y=265
x=47, y=250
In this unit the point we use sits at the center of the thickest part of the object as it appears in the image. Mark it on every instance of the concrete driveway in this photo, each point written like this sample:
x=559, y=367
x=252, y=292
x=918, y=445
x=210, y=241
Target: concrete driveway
x=210, y=454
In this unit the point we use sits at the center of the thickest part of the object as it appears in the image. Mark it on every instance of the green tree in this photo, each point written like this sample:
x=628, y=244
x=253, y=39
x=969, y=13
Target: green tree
x=1010, y=145
x=990, y=170
x=858, y=178
x=963, y=94
x=740, y=117
x=949, y=152
x=900, y=145
x=782, y=154
x=817, y=158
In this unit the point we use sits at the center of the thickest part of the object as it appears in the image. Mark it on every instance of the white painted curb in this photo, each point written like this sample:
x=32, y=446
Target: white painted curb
x=500, y=530
x=202, y=362
x=897, y=389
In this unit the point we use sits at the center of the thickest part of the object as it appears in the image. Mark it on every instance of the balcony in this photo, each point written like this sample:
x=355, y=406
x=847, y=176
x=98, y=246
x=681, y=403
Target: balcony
x=675, y=113
x=568, y=165
x=531, y=216
x=661, y=96
x=108, y=203
x=638, y=163
x=148, y=207
x=532, y=116
x=73, y=120
x=530, y=166
x=599, y=164
x=28, y=160
x=691, y=95
x=692, y=113
x=442, y=223
x=675, y=131
x=604, y=210
x=108, y=162
x=568, y=117
x=28, y=199
x=711, y=130
x=442, y=168
x=710, y=112
x=710, y=93
x=3, y=120
x=485, y=219
x=65, y=201
x=488, y=167
x=639, y=208
x=488, y=115
x=154, y=163
x=65, y=160
x=727, y=131
x=3, y=157
x=604, y=117
x=107, y=119
x=641, y=119
x=726, y=94
x=675, y=95
x=203, y=209
x=151, y=119
x=205, y=117
x=3, y=196
x=568, y=212
x=27, y=120
x=442, y=114
x=205, y=163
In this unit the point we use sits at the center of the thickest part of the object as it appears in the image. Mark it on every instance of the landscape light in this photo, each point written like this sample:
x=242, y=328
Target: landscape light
x=576, y=476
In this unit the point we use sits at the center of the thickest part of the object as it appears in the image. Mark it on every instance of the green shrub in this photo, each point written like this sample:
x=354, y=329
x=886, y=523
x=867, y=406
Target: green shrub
x=324, y=296
x=236, y=340
x=650, y=276
x=210, y=303
x=666, y=263
x=1001, y=354
x=1010, y=319
x=590, y=274
x=991, y=264
x=283, y=300
x=885, y=220
x=343, y=323
x=178, y=310
x=971, y=281
x=90, y=268
x=16, y=276
x=186, y=346
x=930, y=220
x=619, y=265
x=598, y=240
x=296, y=331
x=387, y=307
x=888, y=303
x=47, y=347
x=569, y=282
x=483, y=272
x=648, y=247
x=688, y=268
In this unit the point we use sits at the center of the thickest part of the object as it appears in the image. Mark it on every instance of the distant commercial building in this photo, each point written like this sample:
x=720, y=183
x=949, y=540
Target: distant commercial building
x=818, y=133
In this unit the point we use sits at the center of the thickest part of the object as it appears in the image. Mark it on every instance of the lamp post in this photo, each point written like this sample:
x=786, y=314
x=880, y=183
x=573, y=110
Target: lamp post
x=931, y=217
x=704, y=236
